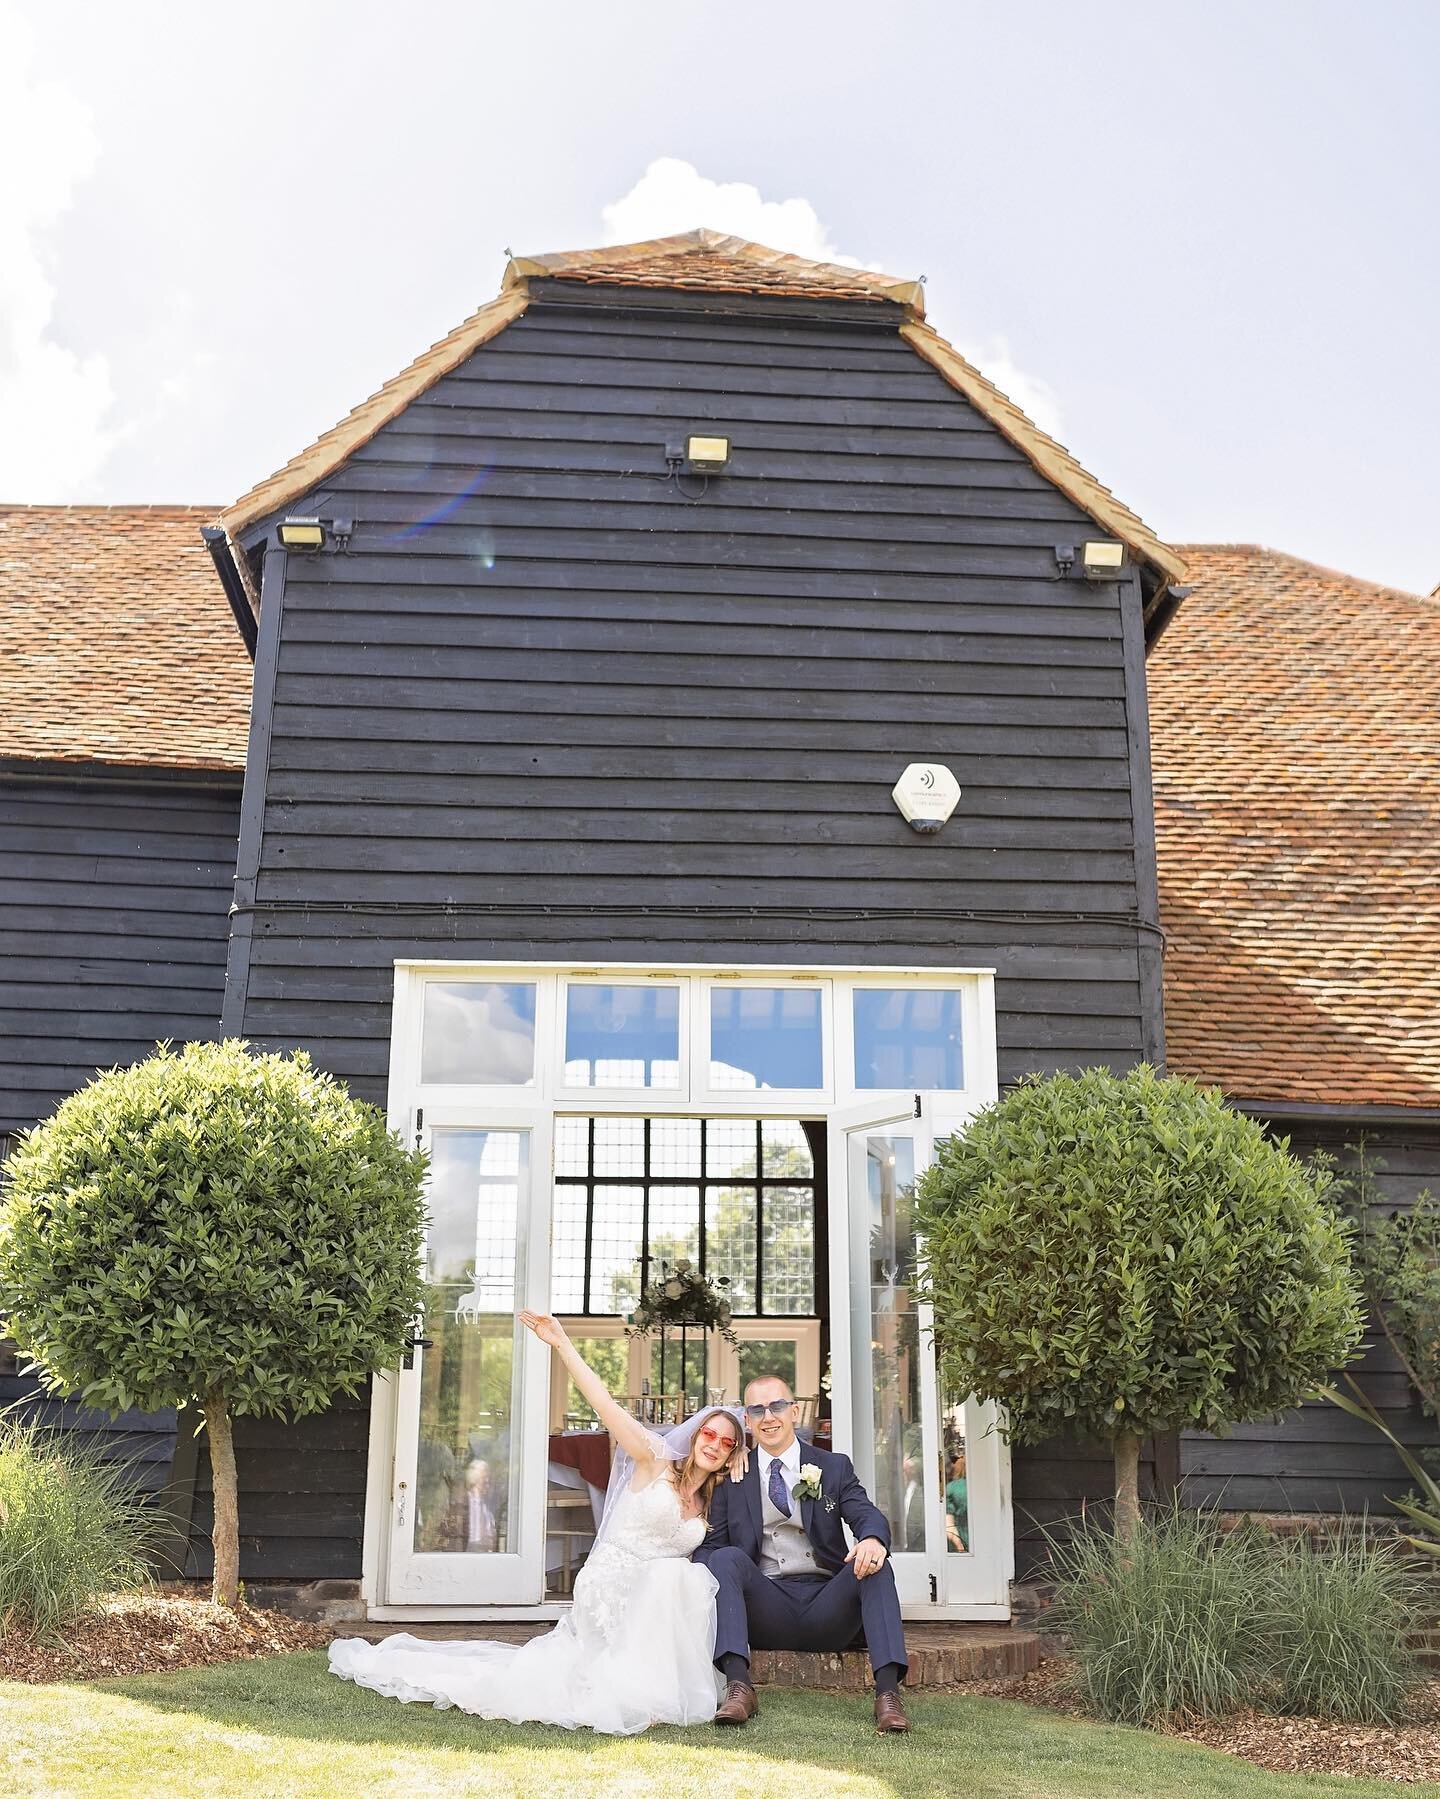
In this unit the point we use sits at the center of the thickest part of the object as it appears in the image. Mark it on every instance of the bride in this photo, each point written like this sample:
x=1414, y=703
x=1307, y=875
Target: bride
x=635, y=1648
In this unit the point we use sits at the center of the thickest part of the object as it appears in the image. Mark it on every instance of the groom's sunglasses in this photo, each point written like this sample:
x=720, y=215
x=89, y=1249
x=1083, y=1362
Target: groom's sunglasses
x=774, y=1408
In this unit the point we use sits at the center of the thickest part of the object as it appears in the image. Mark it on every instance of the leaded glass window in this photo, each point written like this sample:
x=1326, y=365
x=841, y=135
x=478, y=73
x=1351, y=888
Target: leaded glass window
x=734, y=1195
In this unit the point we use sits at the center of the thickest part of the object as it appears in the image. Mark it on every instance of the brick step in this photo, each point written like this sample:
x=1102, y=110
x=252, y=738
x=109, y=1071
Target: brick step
x=940, y=1654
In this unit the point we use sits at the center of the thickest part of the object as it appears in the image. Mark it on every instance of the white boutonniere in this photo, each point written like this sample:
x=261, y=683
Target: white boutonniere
x=808, y=1486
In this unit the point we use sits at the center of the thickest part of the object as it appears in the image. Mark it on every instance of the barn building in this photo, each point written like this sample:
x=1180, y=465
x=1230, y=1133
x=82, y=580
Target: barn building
x=587, y=653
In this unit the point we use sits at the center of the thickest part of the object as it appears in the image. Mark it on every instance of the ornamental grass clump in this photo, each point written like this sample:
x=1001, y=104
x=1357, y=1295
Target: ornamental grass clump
x=1163, y=1623
x=218, y=1231
x=1337, y=1615
x=72, y=1528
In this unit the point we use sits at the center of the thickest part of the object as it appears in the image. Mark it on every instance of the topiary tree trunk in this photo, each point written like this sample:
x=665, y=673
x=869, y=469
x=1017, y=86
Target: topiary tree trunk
x=1127, y=1484
x=225, y=1526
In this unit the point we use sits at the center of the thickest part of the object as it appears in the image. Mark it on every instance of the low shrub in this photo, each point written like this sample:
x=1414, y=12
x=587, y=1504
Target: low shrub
x=1338, y=1615
x=1191, y=1619
x=1162, y=1624
x=71, y=1529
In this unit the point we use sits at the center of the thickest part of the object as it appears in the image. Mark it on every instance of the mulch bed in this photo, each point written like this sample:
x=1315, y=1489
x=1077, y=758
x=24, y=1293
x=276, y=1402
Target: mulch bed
x=1407, y=1752
x=146, y=1633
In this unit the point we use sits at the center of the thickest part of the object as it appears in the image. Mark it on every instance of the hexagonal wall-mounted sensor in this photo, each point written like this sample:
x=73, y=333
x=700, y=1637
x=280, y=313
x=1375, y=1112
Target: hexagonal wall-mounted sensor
x=927, y=793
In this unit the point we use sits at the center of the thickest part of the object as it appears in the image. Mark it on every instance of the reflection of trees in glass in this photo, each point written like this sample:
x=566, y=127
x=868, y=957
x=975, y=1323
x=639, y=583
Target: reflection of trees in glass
x=895, y=1337
x=610, y=1358
x=739, y=1157
x=465, y=1401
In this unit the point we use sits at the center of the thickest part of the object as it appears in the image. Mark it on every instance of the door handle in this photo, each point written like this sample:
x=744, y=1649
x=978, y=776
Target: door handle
x=412, y=1343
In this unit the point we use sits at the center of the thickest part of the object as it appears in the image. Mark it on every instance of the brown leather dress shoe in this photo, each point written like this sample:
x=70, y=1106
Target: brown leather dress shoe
x=740, y=1705
x=889, y=1713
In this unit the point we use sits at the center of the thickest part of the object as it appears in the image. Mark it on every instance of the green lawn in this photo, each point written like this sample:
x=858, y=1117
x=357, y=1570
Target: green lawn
x=285, y=1727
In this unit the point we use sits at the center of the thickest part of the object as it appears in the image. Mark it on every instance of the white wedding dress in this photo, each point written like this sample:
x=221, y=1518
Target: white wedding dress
x=635, y=1648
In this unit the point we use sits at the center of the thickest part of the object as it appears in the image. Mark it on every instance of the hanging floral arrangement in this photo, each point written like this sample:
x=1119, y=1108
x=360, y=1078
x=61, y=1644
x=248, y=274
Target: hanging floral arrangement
x=680, y=1296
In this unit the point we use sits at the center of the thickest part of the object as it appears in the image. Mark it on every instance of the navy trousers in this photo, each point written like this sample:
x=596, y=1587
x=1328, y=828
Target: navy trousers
x=804, y=1611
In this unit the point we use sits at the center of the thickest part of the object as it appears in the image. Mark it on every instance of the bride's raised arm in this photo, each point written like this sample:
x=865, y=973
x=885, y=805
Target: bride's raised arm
x=629, y=1433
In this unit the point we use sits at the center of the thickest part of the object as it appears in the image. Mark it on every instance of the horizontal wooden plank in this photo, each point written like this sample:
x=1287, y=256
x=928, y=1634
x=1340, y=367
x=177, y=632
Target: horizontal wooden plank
x=307, y=770
x=938, y=410
x=885, y=435
x=568, y=618
x=690, y=816
x=451, y=550
x=898, y=860
x=557, y=372
x=702, y=880
x=679, y=749
x=801, y=591
x=174, y=967
x=404, y=461
x=751, y=497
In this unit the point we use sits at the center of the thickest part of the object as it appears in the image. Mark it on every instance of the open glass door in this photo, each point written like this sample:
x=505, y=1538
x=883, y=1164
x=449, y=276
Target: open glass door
x=466, y=1525
x=932, y=1463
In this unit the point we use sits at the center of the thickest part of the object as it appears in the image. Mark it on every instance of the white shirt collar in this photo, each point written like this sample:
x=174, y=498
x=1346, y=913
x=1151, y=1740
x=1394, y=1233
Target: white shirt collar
x=790, y=1459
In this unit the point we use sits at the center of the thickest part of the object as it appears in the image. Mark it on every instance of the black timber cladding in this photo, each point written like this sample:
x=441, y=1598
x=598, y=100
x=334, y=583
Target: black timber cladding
x=548, y=706
x=114, y=896
x=1315, y=1458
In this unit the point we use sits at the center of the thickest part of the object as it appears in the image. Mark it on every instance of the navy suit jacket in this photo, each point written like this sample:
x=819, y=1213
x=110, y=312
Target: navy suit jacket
x=736, y=1520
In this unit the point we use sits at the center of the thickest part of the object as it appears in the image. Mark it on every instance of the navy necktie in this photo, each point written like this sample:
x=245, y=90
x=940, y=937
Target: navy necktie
x=779, y=1496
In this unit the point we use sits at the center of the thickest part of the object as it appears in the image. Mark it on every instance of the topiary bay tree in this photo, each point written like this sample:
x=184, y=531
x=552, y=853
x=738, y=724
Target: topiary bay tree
x=1115, y=1256
x=212, y=1228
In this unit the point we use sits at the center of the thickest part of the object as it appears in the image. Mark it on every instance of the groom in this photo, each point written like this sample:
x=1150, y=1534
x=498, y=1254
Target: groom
x=786, y=1580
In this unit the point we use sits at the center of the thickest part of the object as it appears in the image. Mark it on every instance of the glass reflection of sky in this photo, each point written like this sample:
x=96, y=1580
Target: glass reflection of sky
x=765, y=1037
x=622, y=1036
x=908, y=1037
x=480, y=1033
x=474, y=1199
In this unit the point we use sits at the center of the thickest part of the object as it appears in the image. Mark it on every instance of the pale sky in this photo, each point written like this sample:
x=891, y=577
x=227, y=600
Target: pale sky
x=1198, y=242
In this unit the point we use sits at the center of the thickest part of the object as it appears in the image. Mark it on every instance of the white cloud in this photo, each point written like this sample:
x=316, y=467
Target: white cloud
x=673, y=196
x=1031, y=393
x=54, y=404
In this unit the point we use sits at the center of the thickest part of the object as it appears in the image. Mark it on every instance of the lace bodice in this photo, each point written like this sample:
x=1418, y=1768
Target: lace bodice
x=650, y=1523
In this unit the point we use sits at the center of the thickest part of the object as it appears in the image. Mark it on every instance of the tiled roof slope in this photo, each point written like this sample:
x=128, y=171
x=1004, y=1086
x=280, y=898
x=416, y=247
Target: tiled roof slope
x=117, y=644
x=709, y=262
x=1295, y=725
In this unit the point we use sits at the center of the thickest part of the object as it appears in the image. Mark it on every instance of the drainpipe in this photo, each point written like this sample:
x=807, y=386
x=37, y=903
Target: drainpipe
x=219, y=548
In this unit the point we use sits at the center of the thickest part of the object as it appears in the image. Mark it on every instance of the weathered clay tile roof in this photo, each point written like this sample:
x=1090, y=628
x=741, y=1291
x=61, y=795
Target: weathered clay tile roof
x=718, y=264
x=1295, y=724
x=704, y=261
x=117, y=644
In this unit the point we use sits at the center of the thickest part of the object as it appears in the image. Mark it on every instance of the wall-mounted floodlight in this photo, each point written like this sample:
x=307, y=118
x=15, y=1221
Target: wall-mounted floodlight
x=1103, y=561
x=301, y=534
x=707, y=455
x=313, y=534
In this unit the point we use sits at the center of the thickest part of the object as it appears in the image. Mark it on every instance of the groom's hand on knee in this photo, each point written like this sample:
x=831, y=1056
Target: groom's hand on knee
x=867, y=1557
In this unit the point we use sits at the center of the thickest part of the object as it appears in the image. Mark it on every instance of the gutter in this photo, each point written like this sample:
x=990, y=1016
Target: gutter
x=218, y=545
x=1162, y=608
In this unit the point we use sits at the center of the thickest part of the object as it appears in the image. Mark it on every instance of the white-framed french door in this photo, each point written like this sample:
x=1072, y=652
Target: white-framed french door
x=468, y=1489
x=934, y=1463
x=466, y=1523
